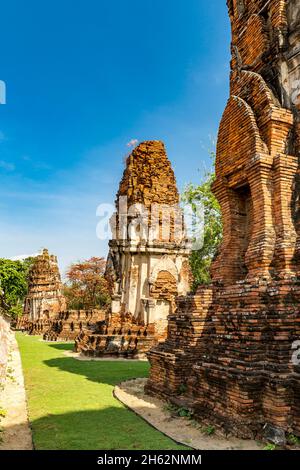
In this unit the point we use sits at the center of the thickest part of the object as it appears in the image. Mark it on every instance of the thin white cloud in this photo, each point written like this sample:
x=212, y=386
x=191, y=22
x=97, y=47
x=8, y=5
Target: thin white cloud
x=132, y=143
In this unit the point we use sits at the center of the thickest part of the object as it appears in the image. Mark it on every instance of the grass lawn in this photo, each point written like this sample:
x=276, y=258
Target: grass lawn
x=71, y=405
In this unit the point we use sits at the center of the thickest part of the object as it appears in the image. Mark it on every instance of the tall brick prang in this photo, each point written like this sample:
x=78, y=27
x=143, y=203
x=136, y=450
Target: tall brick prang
x=148, y=263
x=231, y=347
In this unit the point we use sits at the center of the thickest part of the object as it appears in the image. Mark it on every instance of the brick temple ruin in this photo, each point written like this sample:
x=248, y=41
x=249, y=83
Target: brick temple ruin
x=45, y=307
x=230, y=351
x=44, y=300
x=147, y=266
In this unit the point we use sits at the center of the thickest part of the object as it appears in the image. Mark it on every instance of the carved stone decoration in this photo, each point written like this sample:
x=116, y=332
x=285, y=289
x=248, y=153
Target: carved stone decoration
x=146, y=266
x=231, y=346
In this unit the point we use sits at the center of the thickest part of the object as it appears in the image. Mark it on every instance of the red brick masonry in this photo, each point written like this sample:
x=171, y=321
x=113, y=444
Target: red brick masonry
x=228, y=354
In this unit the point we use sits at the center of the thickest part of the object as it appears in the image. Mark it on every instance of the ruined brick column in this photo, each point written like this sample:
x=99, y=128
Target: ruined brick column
x=231, y=347
x=148, y=257
x=44, y=300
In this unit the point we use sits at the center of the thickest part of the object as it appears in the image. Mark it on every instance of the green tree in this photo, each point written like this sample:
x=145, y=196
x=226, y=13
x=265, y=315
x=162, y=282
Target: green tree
x=13, y=285
x=201, y=259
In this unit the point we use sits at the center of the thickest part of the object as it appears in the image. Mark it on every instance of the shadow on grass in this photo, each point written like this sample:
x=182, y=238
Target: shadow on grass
x=62, y=346
x=109, y=428
x=108, y=372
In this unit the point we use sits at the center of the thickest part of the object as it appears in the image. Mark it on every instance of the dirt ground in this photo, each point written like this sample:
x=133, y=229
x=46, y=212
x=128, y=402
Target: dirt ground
x=16, y=433
x=81, y=357
x=182, y=430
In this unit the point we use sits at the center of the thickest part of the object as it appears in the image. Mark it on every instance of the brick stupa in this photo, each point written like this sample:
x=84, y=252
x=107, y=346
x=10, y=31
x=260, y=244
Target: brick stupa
x=44, y=299
x=45, y=309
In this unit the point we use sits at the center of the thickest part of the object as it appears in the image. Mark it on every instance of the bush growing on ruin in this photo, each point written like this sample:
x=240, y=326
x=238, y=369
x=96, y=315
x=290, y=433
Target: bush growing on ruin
x=86, y=286
x=201, y=259
x=13, y=285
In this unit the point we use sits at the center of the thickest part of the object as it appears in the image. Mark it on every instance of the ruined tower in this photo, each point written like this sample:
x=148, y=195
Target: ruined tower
x=232, y=345
x=148, y=265
x=44, y=299
x=148, y=255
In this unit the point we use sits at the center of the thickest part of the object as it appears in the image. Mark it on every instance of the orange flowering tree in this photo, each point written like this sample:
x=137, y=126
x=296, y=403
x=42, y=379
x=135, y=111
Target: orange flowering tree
x=86, y=286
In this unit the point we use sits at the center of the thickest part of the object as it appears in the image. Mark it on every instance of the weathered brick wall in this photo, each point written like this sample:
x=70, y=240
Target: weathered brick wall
x=4, y=345
x=66, y=326
x=231, y=345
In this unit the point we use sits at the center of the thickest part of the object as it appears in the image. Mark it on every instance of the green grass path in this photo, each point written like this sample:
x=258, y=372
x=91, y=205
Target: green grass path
x=71, y=405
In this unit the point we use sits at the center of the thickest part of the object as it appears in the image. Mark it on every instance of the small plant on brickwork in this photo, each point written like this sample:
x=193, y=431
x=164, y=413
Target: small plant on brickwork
x=179, y=411
x=270, y=447
x=2, y=413
x=184, y=413
x=209, y=430
x=293, y=440
x=182, y=389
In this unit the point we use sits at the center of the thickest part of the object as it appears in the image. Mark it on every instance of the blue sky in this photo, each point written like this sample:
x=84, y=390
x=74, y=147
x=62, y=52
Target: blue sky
x=84, y=78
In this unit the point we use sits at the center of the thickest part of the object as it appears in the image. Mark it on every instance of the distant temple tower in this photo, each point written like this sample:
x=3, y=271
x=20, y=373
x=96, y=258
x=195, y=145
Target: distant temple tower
x=148, y=261
x=44, y=299
x=233, y=346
